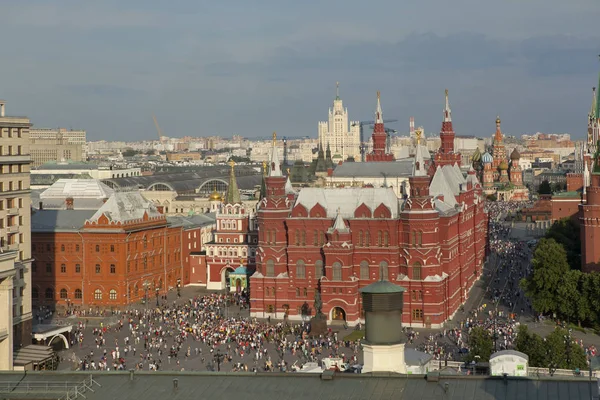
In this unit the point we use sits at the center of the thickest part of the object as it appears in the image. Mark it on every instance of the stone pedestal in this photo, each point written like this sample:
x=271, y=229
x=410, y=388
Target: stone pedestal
x=318, y=325
x=378, y=358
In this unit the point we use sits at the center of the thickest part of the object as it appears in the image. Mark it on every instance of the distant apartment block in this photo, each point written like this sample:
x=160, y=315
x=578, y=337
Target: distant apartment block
x=15, y=236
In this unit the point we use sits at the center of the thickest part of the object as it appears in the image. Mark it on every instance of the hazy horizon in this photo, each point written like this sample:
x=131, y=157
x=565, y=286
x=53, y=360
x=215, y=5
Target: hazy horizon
x=224, y=68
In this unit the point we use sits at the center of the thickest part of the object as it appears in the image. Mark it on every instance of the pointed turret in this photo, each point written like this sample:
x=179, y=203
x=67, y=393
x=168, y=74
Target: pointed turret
x=233, y=192
x=419, y=165
x=275, y=165
x=289, y=189
x=593, y=109
x=447, y=111
x=597, y=100
x=447, y=131
x=337, y=90
x=339, y=224
x=498, y=135
x=378, y=112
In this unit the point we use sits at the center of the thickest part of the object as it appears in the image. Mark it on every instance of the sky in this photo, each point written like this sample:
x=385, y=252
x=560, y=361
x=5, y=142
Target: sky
x=253, y=67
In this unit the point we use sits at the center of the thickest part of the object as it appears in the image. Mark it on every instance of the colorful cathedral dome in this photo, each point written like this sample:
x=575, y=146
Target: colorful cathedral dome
x=515, y=155
x=476, y=155
x=487, y=158
x=503, y=166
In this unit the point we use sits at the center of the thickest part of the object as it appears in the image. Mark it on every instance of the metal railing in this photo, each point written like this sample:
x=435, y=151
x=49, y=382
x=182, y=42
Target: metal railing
x=71, y=390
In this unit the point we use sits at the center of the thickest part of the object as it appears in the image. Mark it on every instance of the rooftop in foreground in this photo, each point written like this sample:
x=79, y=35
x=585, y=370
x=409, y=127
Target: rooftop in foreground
x=291, y=386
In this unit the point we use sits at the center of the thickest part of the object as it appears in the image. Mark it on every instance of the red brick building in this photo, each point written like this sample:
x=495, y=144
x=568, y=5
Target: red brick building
x=380, y=138
x=338, y=240
x=109, y=257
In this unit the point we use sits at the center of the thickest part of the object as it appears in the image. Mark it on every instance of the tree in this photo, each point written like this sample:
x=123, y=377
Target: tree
x=150, y=152
x=549, y=269
x=545, y=188
x=531, y=344
x=562, y=352
x=492, y=197
x=128, y=152
x=480, y=344
x=566, y=231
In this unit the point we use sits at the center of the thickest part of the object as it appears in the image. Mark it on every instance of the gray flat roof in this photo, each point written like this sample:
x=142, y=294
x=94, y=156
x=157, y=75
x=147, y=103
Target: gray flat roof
x=400, y=168
x=265, y=386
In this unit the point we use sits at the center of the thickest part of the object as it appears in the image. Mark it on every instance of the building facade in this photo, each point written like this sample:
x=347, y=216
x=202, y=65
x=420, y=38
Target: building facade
x=235, y=238
x=15, y=223
x=334, y=241
x=121, y=253
x=341, y=134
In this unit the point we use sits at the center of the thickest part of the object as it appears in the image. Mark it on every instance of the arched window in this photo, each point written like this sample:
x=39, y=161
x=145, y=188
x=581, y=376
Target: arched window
x=319, y=269
x=98, y=294
x=62, y=247
x=367, y=238
x=379, y=238
x=414, y=238
x=300, y=270
x=270, y=268
x=49, y=294
x=364, y=270
x=136, y=291
x=420, y=241
x=315, y=237
x=416, y=275
x=305, y=292
x=97, y=248
x=78, y=294
x=297, y=237
x=112, y=294
x=303, y=238
x=63, y=293
x=337, y=271
x=297, y=292
x=383, y=268
x=35, y=293
x=386, y=239
x=360, y=238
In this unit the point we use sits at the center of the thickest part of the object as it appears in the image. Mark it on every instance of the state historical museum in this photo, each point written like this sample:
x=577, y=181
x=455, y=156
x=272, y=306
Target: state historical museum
x=338, y=240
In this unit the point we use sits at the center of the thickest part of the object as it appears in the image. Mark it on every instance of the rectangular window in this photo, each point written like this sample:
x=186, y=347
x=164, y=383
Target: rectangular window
x=33, y=267
x=417, y=314
x=97, y=268
x=63, y=268
x=112, y=248
x=78, y=268
x=77, y=247
x=113, y=268
x=48, y=268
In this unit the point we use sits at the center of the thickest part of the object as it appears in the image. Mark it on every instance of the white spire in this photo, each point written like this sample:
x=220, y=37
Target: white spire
x=339, y=224
x=447, y=111
x=289, y=189
x=586, y=177
x=419, y=165
x=378, y=112
x=275, y=167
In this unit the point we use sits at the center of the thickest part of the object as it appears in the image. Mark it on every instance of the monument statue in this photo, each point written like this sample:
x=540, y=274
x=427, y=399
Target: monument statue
x=318, y=304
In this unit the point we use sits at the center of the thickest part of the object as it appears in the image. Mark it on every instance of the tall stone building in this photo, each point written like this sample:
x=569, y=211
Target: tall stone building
x=15, y=233
x=341, y=135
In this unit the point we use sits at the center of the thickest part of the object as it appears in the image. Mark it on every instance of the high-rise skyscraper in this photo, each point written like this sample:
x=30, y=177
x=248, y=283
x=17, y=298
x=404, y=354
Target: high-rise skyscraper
x=342, y=135
x=15, y=236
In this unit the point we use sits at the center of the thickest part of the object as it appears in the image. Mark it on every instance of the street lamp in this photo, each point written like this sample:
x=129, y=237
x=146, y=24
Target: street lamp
x=178, y=288
x=157, y=290
x=218, y=358
x=146, y=285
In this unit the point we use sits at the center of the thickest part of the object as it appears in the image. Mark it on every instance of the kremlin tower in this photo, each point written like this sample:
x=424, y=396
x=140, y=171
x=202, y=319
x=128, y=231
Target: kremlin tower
x=446, y=154
x=379, y=137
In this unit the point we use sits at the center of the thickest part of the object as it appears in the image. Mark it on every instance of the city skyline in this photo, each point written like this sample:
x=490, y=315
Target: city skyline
x=223, y=69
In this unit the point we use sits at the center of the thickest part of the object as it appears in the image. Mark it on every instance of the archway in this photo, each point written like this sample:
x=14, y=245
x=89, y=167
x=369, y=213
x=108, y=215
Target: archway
x=225, y=284
x=338, y=314
x=238, y=285
x=56, y=345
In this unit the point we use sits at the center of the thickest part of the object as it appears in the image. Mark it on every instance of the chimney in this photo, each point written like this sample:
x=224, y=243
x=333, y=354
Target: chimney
x=69, y=202
x=2, y=108
x=41, y=205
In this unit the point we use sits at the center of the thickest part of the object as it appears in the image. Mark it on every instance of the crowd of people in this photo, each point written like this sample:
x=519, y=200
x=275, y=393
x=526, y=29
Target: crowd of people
x=203, y=334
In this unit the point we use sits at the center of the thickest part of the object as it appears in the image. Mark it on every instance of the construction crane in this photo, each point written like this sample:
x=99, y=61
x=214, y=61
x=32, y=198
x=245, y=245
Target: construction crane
x=160, y=134
x=360, y=124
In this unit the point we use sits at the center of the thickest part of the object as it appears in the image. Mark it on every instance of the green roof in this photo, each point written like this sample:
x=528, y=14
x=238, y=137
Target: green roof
x=381, y=287
x=572, y=193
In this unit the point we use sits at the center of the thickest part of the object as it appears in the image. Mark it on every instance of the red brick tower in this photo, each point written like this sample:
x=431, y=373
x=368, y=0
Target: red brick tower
x=446, y=154
x=589, y=215
x=379, y=137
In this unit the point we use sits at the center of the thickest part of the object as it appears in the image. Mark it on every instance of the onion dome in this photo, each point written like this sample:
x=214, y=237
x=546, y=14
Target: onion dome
x=515, y=155
x=503, y=166
x=487, y=158
x=476, y=155
x=215, y=196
